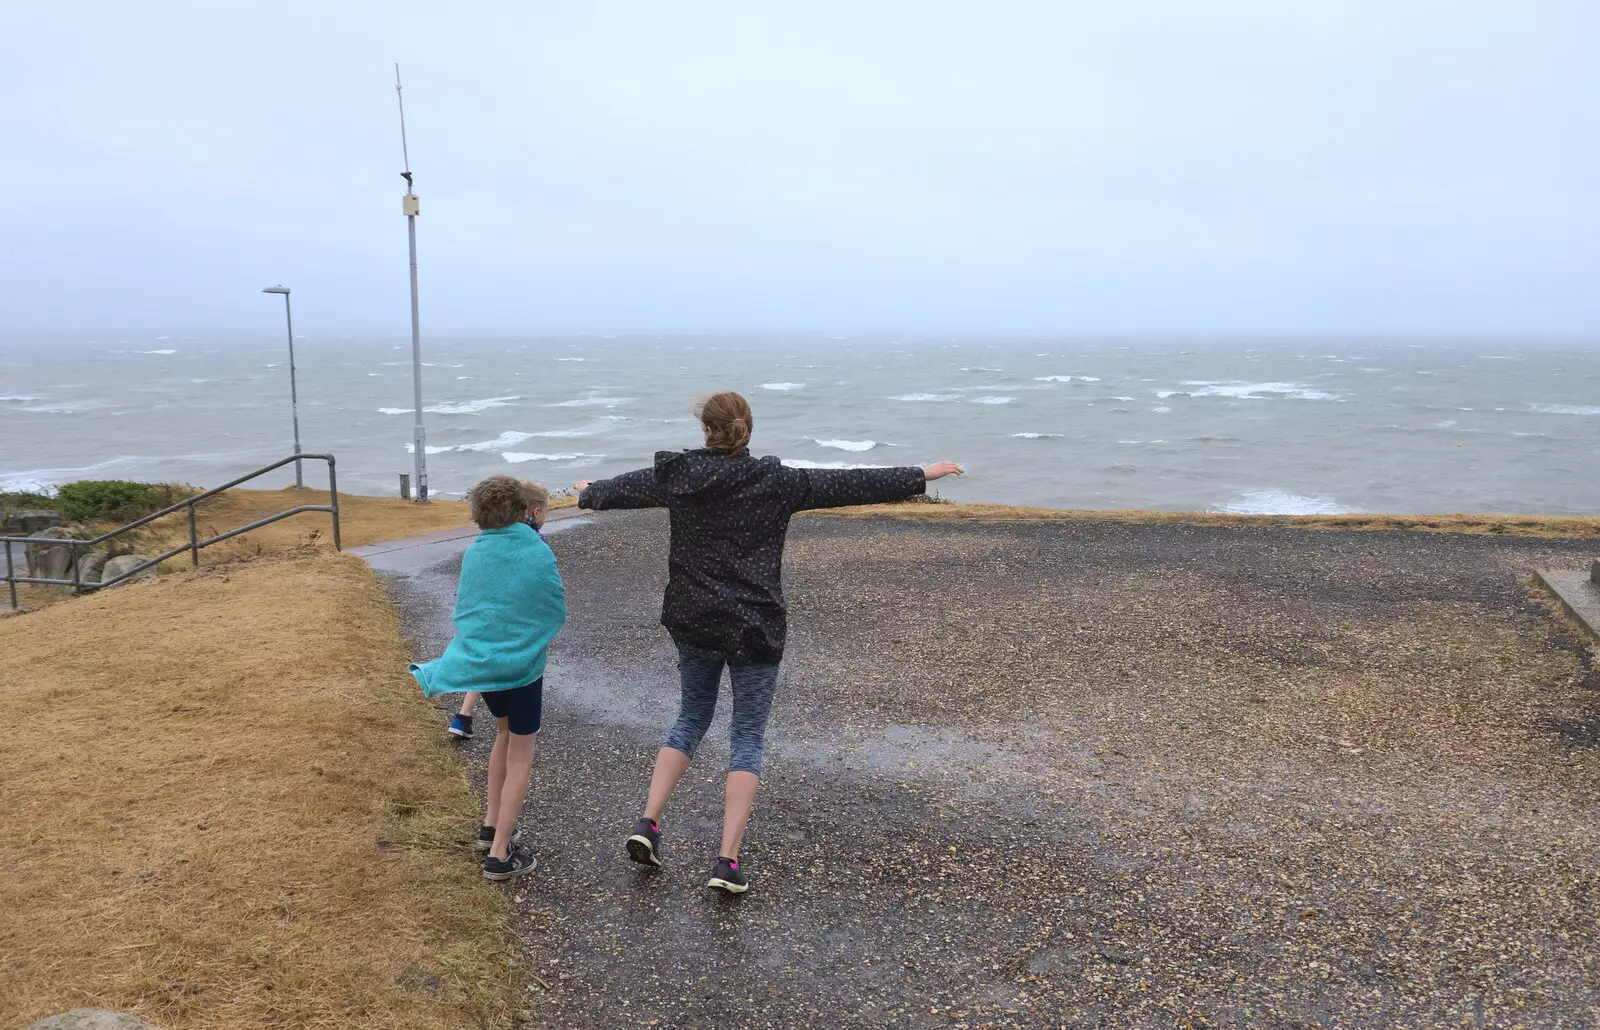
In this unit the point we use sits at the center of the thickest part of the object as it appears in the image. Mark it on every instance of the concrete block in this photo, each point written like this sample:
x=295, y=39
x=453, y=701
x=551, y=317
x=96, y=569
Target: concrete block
x=1578, y=593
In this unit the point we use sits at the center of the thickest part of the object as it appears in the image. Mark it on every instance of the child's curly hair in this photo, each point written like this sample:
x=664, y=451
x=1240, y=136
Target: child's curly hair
x=498, y=501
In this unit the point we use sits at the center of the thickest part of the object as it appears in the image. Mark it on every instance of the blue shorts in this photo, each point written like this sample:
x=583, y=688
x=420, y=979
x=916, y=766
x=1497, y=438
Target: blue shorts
x=522, y=708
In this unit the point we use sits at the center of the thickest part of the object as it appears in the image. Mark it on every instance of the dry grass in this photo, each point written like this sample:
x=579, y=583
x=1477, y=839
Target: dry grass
x=229, y=806
x=1555, y=526
x=362, y=521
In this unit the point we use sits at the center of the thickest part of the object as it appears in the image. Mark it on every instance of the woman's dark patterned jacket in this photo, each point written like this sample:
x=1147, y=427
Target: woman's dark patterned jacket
x=730, y=514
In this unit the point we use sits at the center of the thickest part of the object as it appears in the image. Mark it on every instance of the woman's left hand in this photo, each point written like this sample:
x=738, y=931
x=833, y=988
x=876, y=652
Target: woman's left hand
x=582, y=485
x=940, y=469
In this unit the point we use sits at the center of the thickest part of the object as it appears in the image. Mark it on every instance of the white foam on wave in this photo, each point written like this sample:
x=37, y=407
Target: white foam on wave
x=461, y=408
x=1038, y=436
x=993, y=400
x=65, y=408
x=845, y=445
x=411, y=448
x=509, y=438
x=981, y=368
x=25, y=484
x=1281, y=502
x=593, y=402
x=522, y=456
x=928, y=397
x=802, y=463
x=572, y=359
x=1240, y=390
x=44, y=481
x=1066, y=379
x=163, y=350
x=1565, y=409
x=782, y=386
x=567, y=433
x=16, y=398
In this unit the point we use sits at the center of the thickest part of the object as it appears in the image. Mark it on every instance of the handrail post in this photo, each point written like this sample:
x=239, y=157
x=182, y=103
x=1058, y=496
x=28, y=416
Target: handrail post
x=194, y=538
x=11, y=576
x=333, y=493
x=77, y=568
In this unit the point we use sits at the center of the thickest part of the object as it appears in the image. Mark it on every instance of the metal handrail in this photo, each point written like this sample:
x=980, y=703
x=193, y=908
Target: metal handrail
x=193, y=546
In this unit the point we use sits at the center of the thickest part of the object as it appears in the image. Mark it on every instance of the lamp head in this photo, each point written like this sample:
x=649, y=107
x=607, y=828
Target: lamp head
x=277, y=289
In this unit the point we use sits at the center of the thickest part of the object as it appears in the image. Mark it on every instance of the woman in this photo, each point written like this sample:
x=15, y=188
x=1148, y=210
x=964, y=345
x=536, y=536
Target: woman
x=724, y=601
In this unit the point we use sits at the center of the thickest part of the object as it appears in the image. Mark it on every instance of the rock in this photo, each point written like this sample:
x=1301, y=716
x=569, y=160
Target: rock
x=29, y=523
x=1594, y=573
x=117, y=566
x=91, y=566
x=51, y=561
x=91, y=1019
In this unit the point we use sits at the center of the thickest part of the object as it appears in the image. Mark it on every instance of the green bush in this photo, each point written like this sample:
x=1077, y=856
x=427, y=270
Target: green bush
x=23, y=501
x=115, y=500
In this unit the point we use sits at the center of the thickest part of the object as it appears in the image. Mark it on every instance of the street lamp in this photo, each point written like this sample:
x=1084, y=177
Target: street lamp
x=294, y=396
x=410, y=206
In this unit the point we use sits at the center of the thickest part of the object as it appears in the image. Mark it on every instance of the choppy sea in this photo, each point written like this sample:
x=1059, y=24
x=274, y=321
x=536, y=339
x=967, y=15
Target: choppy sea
x=1286, y=427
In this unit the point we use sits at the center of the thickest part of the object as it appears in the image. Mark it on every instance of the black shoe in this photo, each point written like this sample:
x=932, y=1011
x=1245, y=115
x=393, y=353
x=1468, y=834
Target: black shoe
x=727, y=876
x=519, y=863
x=644, y=847
x=485, y=839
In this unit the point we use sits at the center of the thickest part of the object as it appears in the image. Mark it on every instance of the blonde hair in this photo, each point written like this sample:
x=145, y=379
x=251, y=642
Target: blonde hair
x=538, y=496
x=727, y=420
x=497, y=501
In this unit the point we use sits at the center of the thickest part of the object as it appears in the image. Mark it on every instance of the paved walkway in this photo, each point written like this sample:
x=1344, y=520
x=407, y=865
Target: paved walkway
x=1081, y=775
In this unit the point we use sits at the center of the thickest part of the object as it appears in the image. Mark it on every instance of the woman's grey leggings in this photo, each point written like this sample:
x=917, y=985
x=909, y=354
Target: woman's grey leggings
x=753, y=685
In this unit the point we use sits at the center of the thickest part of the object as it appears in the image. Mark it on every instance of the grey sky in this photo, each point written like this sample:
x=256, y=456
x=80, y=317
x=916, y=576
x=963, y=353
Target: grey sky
x=1166, y=166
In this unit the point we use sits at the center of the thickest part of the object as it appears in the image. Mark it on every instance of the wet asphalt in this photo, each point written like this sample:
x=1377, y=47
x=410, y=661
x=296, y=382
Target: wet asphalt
x=1078, y=775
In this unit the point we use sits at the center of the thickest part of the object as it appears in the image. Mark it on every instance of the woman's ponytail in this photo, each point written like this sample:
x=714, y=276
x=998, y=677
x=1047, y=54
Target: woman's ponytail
x=727, y=420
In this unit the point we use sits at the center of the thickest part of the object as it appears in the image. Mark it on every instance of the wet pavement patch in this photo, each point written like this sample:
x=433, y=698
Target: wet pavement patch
x=1079, y=775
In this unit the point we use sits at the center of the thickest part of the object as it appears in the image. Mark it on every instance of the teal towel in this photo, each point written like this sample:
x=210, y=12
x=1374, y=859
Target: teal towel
x=509, y=606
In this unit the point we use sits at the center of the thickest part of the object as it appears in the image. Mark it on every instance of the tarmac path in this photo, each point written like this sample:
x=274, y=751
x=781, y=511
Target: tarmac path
x=1078, y=775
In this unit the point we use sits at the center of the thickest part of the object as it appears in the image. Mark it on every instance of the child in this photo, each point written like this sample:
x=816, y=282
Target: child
x=509, y=606
x=461, y=723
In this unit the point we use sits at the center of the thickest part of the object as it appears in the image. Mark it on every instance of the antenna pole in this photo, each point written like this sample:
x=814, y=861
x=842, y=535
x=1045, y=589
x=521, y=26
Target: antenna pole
x=410, y=205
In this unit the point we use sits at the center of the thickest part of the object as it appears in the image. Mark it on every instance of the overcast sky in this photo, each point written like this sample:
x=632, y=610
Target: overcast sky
x=1145, y=166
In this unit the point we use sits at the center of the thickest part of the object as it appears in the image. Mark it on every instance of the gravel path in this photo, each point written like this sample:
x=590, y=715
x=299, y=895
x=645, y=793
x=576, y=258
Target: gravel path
x=1082, y=775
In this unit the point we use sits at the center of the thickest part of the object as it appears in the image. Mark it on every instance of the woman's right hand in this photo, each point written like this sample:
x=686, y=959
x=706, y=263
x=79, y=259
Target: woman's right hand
x=582, y=485
x=940, y=469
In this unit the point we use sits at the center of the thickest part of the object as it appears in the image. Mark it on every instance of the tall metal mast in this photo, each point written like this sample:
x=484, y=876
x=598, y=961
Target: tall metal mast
x=410, y=205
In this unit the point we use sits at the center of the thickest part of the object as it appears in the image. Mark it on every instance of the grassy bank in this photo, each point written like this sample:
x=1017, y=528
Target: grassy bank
x=1552, y=526
x=363, y=520
x=228, y=806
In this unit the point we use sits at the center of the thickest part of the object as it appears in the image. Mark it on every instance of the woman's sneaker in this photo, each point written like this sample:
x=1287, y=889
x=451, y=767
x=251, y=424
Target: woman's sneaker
x=518, y=863
x=461, y=726
x=485, y=839
x=727, y=876
x=644, y=847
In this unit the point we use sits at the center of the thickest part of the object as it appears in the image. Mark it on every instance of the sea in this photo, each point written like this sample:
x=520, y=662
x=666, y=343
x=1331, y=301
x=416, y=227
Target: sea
x=1293, y=426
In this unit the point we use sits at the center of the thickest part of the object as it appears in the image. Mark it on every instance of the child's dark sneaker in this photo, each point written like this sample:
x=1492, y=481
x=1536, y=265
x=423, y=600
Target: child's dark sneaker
x=644, y=847
x=727, y=876
x=485, y=839
x=519, y=863
x=461, y=726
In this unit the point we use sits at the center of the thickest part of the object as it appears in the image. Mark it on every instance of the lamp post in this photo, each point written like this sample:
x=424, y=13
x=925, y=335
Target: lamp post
x=410, y=205
x=294, y=395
